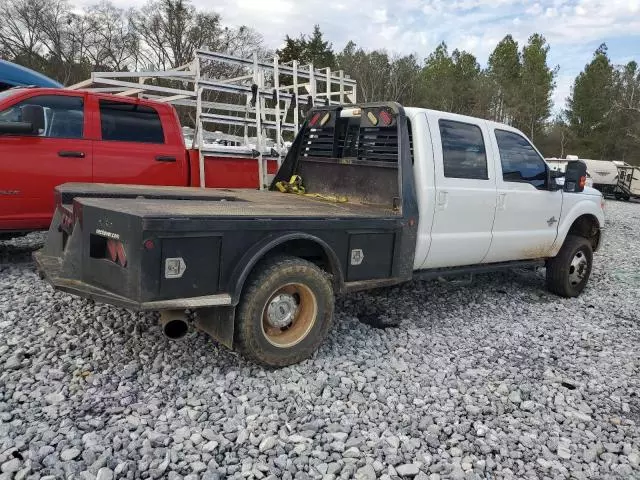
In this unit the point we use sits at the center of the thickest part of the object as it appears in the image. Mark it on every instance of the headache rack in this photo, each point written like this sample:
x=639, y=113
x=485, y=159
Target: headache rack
x=353, y=138
x=351, y=152
x=257, y=101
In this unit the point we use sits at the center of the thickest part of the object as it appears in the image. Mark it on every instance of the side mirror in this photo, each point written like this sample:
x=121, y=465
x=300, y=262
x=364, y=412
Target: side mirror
x=16, y=128
x=32, y=122
x=555, y=180
x=34, y=114
x=575, y=176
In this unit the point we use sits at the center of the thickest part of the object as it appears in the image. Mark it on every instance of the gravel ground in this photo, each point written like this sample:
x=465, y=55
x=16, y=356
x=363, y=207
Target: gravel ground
x=492, y=379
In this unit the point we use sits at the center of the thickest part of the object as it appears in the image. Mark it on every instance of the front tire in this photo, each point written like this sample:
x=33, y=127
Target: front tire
x=569, y=271
x=285, y=312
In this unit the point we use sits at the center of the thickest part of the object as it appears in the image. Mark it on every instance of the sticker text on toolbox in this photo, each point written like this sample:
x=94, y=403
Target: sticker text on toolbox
x=104, y=233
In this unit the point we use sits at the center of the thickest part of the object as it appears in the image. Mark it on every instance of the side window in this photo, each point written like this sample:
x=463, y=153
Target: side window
x=463, y=150
x=520, y=161
x=63, y=115
x=128, y=122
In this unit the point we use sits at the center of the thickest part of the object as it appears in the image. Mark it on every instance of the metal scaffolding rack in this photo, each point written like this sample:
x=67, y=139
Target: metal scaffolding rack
x=261, y=96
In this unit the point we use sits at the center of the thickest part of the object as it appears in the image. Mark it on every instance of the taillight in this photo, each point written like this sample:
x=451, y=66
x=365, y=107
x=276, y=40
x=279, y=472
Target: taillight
x=67, y=221
x=116, y=253
x=385, y=118
x=314, y=119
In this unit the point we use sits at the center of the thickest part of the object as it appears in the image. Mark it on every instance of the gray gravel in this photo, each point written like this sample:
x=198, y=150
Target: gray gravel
x=493, y=379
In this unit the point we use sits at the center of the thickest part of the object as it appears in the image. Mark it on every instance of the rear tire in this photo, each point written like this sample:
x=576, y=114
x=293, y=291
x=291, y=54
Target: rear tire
x=285, y=311
x=569, y=271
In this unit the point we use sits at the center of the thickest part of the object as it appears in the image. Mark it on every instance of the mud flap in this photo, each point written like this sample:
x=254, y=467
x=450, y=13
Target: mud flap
x=218, y=323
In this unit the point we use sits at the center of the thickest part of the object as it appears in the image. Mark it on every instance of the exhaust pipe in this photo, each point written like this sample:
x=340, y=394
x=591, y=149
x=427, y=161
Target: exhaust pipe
x=174, y=324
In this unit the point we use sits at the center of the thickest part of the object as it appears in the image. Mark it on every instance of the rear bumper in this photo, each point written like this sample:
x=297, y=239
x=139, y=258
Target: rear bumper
x=50, y=267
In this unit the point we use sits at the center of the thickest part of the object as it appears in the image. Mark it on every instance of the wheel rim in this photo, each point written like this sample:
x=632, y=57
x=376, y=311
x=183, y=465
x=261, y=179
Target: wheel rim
x=578, y=268
x=289, y=315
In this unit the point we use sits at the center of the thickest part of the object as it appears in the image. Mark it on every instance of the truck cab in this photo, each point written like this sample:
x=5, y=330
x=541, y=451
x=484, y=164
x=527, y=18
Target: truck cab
x=489, y=192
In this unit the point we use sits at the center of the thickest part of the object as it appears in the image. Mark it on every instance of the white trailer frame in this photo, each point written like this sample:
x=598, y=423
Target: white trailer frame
x=257, y=81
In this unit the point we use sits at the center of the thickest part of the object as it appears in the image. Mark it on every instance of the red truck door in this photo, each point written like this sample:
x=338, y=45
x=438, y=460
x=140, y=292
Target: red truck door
x=137, y=144
x=31, y=165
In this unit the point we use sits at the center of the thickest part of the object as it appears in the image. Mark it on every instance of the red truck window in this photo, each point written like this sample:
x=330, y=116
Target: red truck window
x=63, y=115
x=129, y=122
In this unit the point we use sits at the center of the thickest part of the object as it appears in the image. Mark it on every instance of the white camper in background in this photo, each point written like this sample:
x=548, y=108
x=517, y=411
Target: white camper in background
x=560, y=165
x=602, y=173
x=629, y=181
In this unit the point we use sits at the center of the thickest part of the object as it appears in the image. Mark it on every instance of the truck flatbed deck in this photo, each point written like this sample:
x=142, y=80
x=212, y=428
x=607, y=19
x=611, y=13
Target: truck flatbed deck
x=231, y=203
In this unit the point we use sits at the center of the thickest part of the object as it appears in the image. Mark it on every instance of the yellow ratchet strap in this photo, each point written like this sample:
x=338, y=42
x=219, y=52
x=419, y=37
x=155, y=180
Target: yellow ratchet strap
x=295, y=186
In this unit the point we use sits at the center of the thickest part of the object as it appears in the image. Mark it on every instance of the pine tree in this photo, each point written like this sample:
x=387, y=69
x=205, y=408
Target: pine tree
x=318, y=51
x=313, y=49
x=590, y=107
x=536, y=87
x=504, y=71
x=437, y=80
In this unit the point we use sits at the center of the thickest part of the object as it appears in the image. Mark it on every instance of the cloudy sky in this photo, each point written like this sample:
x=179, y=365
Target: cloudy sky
x=574, y=28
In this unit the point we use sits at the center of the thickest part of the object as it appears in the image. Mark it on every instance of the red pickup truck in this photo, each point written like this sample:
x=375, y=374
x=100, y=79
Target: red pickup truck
x=52, y=136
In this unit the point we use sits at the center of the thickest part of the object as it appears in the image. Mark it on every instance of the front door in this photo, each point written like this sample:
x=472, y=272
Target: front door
x=528, y=213
x=33, y=165
x=465, y=199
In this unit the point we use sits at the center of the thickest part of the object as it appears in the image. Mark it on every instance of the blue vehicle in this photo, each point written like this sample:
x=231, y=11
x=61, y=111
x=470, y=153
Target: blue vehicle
x=14, y=75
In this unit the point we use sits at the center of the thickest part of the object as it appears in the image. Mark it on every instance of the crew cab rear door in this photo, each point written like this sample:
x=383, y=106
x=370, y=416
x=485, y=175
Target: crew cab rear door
x=137, y=144
x=465, y=191
x=32, y=165
x=528, y=212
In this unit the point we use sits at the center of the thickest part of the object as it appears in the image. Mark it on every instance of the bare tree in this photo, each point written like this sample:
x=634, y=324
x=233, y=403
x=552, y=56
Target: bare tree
x=403, y=76
x=113, y=43
x=65, y=41
x=21, y=30
x=171, y=31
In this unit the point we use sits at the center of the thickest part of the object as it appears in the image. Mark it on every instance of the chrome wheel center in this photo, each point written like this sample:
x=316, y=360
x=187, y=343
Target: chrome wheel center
x=282, y=310
x=578, y=268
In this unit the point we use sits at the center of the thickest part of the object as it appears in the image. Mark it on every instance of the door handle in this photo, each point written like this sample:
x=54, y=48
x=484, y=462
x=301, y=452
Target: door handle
x=442, y=199
x=70, y=154
x=165, y=158
x=502, y=201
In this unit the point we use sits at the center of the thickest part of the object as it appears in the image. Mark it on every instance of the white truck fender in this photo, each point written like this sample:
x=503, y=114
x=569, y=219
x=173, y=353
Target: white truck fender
x=592, y=206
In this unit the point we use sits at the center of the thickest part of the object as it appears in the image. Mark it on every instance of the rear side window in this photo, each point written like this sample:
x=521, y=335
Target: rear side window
x=63, y=115
x=463, y=150
x=520, y=161
x=128, y=122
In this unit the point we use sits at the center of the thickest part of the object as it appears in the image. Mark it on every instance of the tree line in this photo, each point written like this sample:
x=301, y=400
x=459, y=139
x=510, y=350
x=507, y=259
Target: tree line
x=601, y=119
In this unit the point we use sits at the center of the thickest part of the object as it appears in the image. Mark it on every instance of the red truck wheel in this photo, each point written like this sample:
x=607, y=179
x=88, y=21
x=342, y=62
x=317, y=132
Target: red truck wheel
x=285, y=312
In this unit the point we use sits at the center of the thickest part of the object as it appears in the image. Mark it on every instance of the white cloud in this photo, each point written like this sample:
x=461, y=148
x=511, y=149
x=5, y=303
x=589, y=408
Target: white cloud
x=379, y=16
x=574, y=28
x=562, y=91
